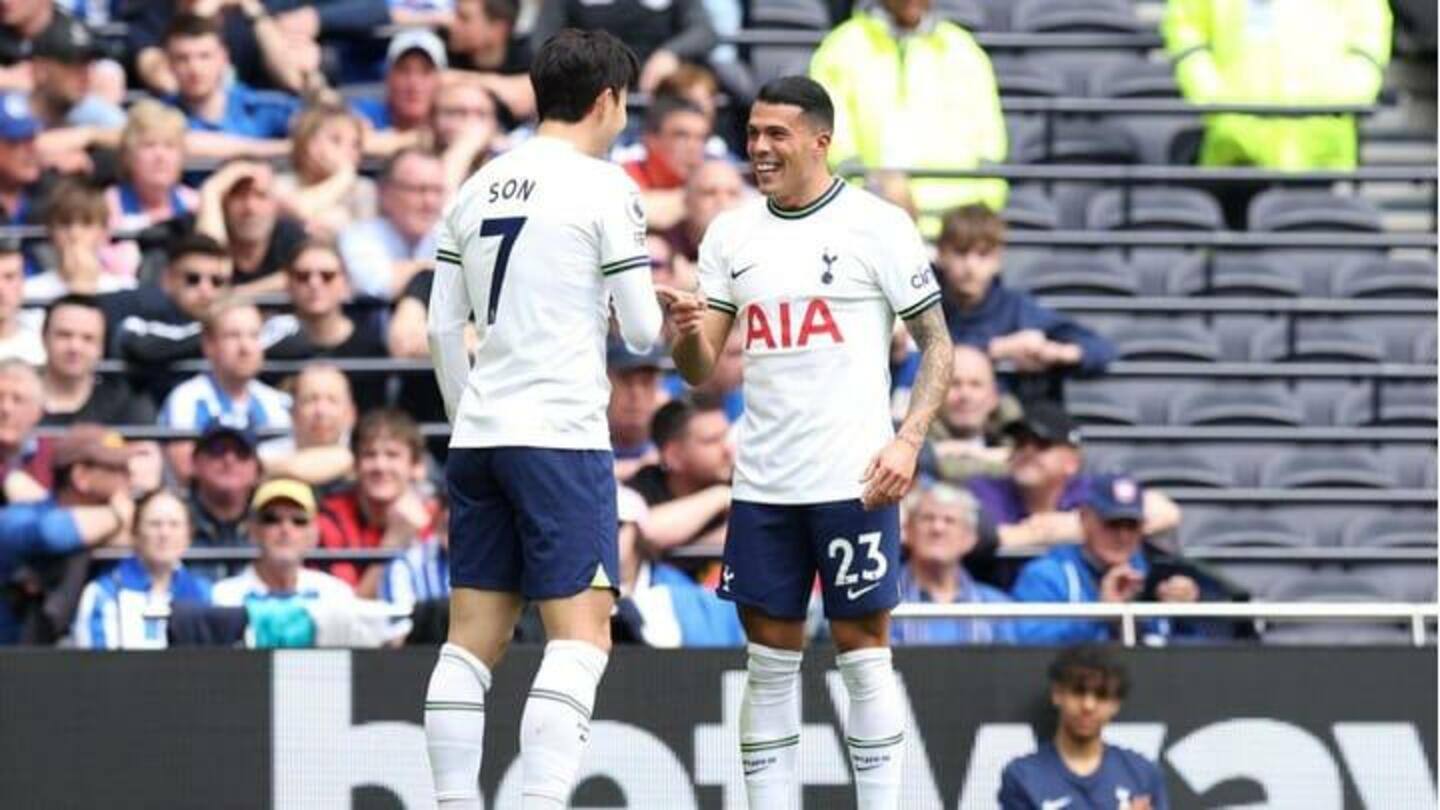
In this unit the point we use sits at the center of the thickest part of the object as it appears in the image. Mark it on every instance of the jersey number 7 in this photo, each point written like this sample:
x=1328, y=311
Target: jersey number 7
x=508, y=229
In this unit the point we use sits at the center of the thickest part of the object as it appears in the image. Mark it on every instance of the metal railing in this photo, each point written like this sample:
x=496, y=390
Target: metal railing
x=1129, y=613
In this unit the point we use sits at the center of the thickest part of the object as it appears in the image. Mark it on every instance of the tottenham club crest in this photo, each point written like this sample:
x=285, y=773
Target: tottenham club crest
x=829, y=259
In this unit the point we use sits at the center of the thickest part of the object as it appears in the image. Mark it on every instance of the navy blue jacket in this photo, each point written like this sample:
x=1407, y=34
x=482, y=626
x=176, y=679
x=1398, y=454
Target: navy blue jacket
x=1041, y=781
x=1004, y=311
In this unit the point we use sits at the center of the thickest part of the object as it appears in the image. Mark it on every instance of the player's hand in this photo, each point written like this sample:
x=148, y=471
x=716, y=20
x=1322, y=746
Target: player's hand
x=1139, y=803
x=1178, y=588
x=686, y=309
x=889, y=474
x=1121, y=584
x=124, y=508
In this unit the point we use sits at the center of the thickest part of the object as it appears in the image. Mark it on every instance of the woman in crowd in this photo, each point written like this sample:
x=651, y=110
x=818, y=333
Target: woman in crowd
x=152, y=156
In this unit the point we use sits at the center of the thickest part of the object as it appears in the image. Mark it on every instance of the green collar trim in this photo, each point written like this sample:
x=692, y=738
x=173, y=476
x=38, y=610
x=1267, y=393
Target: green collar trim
x=804, y=211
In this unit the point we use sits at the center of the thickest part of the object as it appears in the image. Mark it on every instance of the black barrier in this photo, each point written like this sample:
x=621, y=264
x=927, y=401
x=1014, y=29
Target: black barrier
x=1317, y=729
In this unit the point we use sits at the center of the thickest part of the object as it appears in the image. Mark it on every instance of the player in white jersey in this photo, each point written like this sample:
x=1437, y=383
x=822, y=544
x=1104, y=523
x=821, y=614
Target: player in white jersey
x=816, y=274
x=536, y=246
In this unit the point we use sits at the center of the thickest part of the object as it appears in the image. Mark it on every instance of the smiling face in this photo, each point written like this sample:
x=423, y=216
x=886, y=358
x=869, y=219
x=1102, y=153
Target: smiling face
x=787, y=150
x=385, y=467
x=317, y=282
x=939, y=533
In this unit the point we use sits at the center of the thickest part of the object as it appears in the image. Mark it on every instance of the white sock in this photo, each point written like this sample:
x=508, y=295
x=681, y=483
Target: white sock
x=875, y=729
x=455, y=726
x=556, y=723
x=770, y=728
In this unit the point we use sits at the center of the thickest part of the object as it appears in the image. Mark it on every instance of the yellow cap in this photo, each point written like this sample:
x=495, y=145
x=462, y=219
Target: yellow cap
x=285, y=489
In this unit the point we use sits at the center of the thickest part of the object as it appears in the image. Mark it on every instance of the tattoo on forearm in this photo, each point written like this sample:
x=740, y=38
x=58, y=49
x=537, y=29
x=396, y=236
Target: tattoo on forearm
x=933, y=380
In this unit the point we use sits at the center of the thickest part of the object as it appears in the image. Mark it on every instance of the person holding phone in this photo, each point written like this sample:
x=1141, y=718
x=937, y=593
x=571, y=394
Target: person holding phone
x=1107, y=565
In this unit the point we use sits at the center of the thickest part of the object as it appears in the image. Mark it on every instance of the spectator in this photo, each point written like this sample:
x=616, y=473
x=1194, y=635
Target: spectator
x=156, y=325
x=74, y=334
x=283, y=527
x=482, y=40
x=25, y=473
x=945, y=115
x=465, y=127
x=64, y=55
x=383, y=253
x=1087, y=686
x=1106, y=566
x=240, y=209
x=152, y=156
x=91, y=507
x=406, y=338
x=941, y=528
x=713, y=188
x=230, y=392
x=385, y=508
x=1037, y=503
x=22, y=24
x=968, y=439
x=326, y=191
x=20, y=169
x=227, y=118
x=413, y=64
x=80, y=258
x=661, y=36
x=225, y=474
x=688, y=490
x=635, y=395
x=660, y=604
x=1279, y=53
x=1009, y=325
x=262, y=50
x=18, y=338
x=726, y=382
x=674, y=140
x=113, y=607
x=316, y=282
x=421, y=573
x=319, y=451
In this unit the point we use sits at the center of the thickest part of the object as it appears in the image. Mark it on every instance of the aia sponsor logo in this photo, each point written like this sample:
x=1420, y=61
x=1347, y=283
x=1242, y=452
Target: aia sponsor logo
x=806, y=323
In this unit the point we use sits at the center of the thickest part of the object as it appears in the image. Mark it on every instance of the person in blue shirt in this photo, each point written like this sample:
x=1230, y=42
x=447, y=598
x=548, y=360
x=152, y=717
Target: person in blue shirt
x=91, y=506
x=1042, y=345
x=226, y=117
x=1078, y=770
x=114, y=606
x=940, y=530
x=414, y=61
x=1106, y=566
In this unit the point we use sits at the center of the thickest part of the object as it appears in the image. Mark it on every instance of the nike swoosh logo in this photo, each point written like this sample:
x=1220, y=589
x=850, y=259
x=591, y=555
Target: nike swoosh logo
x=1055, y=804
x=753, y=771
x=863, y=768
x=734, y=274
x=854, y=594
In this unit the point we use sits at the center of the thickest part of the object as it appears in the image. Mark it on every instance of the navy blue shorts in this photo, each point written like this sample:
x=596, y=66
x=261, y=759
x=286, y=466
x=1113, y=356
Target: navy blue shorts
x=531, y=520
x=773, y=553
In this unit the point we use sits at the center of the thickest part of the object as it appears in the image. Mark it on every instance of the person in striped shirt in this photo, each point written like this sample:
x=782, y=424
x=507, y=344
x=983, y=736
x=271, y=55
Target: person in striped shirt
x=421, y=573
x=113, y=607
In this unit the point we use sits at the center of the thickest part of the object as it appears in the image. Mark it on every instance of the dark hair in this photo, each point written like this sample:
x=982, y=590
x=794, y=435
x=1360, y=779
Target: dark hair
x=972, y=227
x=672, y=419
x=72, y=300
x=1090, y=666
x=388, y=423
x=805, y=93
x=574, y=67
x=506, y=11
x=662, y=107
x=387, y=171
x=191, y=26
x=192, y=244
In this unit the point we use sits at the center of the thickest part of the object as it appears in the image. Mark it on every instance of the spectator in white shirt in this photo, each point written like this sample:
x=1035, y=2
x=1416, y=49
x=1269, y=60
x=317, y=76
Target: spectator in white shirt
x=282, y=526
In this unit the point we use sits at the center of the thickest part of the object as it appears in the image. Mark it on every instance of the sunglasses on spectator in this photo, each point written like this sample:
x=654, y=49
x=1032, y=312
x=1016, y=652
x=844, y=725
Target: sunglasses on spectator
x=305, y=276
x=276, y=518
x=196, y=279
x=223, y=448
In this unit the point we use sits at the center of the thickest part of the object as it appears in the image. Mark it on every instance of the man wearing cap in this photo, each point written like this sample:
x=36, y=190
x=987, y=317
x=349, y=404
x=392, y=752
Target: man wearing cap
x=20, y=169
x=283, y=527
x=1035, y=504
x=413, y=64
x=635, y=396
x=1106, y=566
x=63, y=55
x=226, y=470
x=91, y=506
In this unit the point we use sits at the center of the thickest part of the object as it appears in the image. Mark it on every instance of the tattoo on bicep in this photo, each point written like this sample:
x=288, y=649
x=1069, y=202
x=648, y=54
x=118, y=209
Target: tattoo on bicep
x=930, y=333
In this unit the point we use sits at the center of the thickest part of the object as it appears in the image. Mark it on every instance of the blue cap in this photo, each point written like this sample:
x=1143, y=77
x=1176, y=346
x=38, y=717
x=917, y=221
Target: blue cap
x=1116, y=497
x=619, y=357
x=219, y=429
x=17, y=123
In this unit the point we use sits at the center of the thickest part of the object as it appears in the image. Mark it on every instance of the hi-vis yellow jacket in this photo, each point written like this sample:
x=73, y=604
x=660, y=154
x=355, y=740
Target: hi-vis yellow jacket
x=1279, y=52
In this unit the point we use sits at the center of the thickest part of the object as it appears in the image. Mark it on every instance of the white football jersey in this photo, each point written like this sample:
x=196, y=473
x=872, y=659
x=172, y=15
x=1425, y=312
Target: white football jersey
x=815, y=292
x=526, y=246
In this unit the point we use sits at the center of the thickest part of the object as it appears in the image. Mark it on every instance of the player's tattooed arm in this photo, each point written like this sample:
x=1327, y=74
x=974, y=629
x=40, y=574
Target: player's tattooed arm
x=930, y=333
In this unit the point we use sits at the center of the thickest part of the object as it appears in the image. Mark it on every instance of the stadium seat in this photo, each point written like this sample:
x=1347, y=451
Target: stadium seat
x=1233, y=276
x=1424, y=346
x=1390, y=530
x=1030, y=209
x=771, y=61
x=1074, y=16
x=1244, y=403
x=1315, y=341
x=1324, y=467
x=1168, y=209
x=1397, y=334
x=1105, y=402
x=1135, y=78
x=1243, y=528
x=1365, y=277
x=1408, y=582
x=1022, y=78
x=1168, y=467
x=1080, y=273
x=1289, y=210
x=967, y=14
x=1398, y=405
x=997, y=14
x=1075, y=141
x=1153, y=339
x=1331, y=587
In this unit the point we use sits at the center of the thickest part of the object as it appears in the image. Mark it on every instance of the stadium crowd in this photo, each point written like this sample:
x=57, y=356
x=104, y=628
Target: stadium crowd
x=245, y=181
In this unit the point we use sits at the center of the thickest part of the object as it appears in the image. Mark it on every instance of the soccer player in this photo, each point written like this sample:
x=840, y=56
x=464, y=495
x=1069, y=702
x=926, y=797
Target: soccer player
x=537, y=245
x=817, y=271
